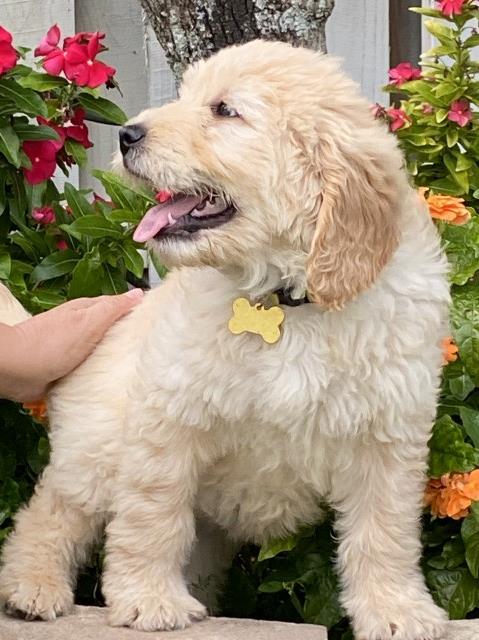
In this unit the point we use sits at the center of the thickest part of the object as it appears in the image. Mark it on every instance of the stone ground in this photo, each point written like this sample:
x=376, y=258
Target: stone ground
x=88, y=623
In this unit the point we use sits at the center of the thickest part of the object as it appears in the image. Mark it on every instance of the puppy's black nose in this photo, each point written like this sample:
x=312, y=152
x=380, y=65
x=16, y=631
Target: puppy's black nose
x=130, y=136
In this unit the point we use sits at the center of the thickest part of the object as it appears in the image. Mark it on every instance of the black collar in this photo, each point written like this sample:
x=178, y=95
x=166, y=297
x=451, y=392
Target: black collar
x=284, y=297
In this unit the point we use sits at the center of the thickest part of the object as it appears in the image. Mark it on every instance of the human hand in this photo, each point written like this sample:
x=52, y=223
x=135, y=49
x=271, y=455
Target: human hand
x=42, y=349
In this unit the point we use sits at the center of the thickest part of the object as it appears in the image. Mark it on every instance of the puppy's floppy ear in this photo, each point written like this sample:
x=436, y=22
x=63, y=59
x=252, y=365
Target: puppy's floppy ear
x=356, y=225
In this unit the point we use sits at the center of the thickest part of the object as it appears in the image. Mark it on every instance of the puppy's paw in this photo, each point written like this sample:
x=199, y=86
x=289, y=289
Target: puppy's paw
x=42, y=600
x=420, y=620
x=163, y=613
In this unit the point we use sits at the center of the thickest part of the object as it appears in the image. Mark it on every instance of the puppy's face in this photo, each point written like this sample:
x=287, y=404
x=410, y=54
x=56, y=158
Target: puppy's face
x=238, y=156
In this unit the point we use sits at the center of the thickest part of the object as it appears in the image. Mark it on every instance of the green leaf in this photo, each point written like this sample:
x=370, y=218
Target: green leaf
x=452, y=136
x=470, y=536
x=441, y=115
x=77, y=202
x=101, y=110
x=446, y=186
x=77, y=151
x=124, y=215
x=56, y=264
x=95, y=226
x=160, y=268
x=113, y=281
x=470, y=422
x=35, y=132
x=443, y=34
x=456, y=591
x=87, y=277
x=422, y=89
x=273, y=547
x=472, y=41
x=126, y=196
x=433, y=13
x=41, y=81
x=18, y=204
x=461, y=243
x=10, y=145
x=5, y=266
x=133, y=259
x=47, y=299
x=448, y=451
x=25, y=100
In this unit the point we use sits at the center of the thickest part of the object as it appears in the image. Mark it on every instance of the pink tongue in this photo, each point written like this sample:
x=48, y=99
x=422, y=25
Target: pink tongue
x=157, y=218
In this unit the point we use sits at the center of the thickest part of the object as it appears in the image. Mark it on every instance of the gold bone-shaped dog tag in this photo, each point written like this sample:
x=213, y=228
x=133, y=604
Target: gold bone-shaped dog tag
x=256, y=319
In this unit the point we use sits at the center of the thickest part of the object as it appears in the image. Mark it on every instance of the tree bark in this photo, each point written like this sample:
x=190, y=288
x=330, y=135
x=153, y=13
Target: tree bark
x=192, y=29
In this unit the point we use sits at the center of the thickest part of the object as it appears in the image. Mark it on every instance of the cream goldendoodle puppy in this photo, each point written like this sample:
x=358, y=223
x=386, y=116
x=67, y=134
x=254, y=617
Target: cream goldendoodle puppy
x=275, y=178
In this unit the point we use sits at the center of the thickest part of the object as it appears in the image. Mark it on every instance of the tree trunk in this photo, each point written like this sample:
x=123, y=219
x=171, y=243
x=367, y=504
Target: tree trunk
x=192, y=29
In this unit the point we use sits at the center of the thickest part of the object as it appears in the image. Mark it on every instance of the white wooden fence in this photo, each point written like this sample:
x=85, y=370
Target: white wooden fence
x=357, y=31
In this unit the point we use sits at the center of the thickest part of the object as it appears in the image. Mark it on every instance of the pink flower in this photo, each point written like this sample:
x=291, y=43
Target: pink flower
x=8, y=55
x=460, y=112
x=81, y=65
x=43, y=156
x=77, y=60
x=427, y=108
x=49, y=43
x=43, y=215
x=54, y=62
x=404, y=72
x=61, y=244
x=399, y=118
x=451, y=8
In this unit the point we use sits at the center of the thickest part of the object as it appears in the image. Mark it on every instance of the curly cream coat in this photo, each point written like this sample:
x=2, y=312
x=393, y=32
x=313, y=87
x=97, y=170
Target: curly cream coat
x=173, y=413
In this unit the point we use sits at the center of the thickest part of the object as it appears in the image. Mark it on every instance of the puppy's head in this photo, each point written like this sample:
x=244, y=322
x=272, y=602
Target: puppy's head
x=269, y=156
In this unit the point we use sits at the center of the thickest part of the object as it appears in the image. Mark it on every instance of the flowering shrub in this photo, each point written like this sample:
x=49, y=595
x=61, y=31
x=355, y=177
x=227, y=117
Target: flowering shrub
x=55, y=244
x=437, y=124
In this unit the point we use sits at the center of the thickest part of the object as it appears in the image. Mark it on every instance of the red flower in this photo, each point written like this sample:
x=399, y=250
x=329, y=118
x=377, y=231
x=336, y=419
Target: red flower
x=43, y=215
x=8, y=55
x=61, y=244
x=83, y=37
x=460, y=112
x=399, y=118
x=43, y=156
x=404, y=72
x=451, y=8
x=77, y=60
x=82, y=67
x=78, y=130
x=49, y=43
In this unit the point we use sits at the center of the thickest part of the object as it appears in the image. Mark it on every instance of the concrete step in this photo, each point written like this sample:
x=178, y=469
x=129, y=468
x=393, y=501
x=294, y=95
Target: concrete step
x=89, y=623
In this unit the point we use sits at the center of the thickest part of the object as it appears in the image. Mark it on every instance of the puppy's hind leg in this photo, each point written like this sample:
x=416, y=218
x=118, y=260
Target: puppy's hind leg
x=41, y=556
x=378, y=496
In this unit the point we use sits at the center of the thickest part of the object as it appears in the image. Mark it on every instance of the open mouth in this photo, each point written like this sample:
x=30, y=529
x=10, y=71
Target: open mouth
x=181, y=216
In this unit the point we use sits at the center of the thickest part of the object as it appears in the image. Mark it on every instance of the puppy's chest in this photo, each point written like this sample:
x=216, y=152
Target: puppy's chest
x=209, y=373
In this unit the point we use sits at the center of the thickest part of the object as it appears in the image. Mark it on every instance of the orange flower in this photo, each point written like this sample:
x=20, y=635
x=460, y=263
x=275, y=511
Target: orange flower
x=446, y=208
x=37, y=409
x=452, y=495
x=449, y=350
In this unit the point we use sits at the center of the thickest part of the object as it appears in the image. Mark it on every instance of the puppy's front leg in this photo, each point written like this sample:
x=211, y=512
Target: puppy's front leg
x=378, y=496
x=150, y=537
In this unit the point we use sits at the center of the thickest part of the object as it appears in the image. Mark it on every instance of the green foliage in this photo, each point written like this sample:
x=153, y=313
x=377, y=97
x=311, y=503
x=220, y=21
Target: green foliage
x=82, y=246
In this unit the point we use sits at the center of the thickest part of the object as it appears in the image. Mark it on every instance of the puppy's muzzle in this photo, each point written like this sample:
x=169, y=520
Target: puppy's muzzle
x=130, y=136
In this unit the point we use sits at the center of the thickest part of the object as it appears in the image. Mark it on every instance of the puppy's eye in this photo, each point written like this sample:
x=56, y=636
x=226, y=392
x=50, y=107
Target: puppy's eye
x=224, y=111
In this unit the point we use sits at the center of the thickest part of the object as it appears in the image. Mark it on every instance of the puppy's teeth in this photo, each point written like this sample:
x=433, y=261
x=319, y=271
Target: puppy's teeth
x=171, y=220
